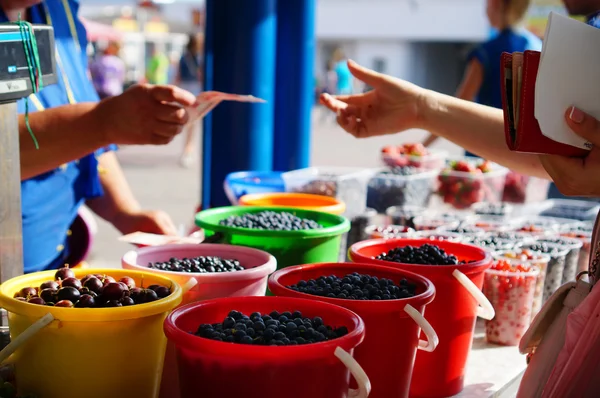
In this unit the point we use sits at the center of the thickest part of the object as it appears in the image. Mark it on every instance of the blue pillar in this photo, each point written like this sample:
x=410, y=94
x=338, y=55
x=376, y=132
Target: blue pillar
x=240, y=48
x=294, y=93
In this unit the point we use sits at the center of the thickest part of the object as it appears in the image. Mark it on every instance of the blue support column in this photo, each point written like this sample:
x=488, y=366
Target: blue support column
x=294, y=93
x=240, y=47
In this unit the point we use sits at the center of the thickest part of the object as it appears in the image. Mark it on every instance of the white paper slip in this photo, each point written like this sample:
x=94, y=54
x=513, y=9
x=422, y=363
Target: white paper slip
x=145, y=239
x=568, y=75
x=208, y=100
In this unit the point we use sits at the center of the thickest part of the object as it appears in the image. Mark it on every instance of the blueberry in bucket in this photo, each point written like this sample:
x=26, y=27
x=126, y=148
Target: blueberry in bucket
x=271, y=220
x=356, y=286
x=200, y=264
x=426, y=255
x=274, y=329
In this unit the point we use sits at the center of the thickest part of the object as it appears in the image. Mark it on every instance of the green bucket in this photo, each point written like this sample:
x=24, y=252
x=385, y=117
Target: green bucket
x=288, y=247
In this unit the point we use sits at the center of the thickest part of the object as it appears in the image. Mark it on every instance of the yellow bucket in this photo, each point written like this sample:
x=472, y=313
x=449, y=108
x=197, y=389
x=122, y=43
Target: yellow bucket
x=90, y=352
x=304, y=201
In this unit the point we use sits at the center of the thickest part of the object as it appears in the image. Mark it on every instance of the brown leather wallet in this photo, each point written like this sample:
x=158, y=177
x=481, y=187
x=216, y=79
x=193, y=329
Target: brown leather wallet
x=518, y=74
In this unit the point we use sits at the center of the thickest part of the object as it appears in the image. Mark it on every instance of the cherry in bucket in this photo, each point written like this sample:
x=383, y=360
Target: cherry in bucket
x=91, y=291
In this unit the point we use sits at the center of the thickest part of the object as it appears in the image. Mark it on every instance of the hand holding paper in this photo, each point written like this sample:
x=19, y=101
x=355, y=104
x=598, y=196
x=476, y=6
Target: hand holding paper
x=569, y=75
x=208, y=100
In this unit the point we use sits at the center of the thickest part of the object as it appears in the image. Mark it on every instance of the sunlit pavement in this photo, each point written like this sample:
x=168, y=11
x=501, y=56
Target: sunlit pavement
x=160, y=183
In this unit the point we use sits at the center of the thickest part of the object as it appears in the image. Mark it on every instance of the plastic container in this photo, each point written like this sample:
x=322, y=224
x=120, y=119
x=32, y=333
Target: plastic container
x=434, y=160
x=217, y=369
x=541, y=225
x=437, y=235
x=392, y=332
x=304, y=201
x=288, y=247
x=388, y=232
x=572, y=259
x=404, y=215
x=491, y=223
x=387, y=189
x=462, y=189
x=87, y=351
x=492, y=209
x=530, y=259
x=463, y=229
x=433, y=222
x=357, y=230
x=511, y=294
x=251, y=282
x=242, y=183
x=452, y=314
x=347, y=184
x=490, y=242
x=574, y=209
x=584, y=254
x=556, y=265
x=520, y=188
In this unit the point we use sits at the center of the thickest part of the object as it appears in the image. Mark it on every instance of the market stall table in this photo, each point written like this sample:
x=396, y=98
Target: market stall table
x=493, y=371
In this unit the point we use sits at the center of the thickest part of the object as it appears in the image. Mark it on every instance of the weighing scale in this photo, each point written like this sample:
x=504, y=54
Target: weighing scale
x=15, y=84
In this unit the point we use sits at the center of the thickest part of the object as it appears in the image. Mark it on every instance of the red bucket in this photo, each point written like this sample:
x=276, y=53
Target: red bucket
x=392, y=326
x=211, y=368
x=452, y=314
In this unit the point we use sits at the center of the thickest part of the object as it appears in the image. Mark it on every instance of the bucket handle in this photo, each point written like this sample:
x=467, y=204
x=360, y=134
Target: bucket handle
x=26, y=335
x=216, y=238
x=364, y=384
x=189, y=285
x=433, y=340
x=485, y=309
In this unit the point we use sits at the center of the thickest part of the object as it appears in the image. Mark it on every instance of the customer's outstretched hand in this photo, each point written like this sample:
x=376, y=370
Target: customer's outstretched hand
x=577, y=176
x=392, y=106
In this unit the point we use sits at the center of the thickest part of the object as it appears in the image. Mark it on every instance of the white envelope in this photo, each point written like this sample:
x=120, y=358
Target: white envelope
x=569, y=74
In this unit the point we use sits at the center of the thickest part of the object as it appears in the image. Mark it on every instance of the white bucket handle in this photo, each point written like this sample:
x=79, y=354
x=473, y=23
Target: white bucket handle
x=189, y=285
x=485, y=309
x=26, y=335
x=364, y=384
x=433, y=340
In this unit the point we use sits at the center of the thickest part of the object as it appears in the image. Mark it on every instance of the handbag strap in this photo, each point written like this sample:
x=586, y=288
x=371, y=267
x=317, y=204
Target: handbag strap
x=593, y=268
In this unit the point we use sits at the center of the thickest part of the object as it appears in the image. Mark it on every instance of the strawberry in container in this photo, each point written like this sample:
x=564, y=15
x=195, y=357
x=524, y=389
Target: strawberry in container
x=471, y=180
x=509, y=286
x=532, y=259
x=412, y=155
x=520, y=188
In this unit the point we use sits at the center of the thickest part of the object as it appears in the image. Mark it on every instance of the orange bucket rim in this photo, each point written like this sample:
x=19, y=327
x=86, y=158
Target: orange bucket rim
x=306, y=201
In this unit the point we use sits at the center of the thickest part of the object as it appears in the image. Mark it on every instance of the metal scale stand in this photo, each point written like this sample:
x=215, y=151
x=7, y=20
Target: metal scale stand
x=15, y=84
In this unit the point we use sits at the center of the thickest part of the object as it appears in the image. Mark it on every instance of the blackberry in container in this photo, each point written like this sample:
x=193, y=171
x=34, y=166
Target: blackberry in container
x=400, y=186
x=556, y=265
x=404, y=215
x=572, y=259
x=584, y=254
x=490, y=242
x=492, y=209
x=343, y=183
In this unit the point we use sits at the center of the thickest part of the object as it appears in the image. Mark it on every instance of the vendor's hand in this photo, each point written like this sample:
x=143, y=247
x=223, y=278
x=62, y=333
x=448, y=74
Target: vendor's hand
x=149, y=221
x=392, y=106
x=144, y=114
x=577, y=176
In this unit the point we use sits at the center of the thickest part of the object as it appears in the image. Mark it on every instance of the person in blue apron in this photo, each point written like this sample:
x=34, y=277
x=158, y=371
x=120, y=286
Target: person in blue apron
x=51, y=198
x=480, y=81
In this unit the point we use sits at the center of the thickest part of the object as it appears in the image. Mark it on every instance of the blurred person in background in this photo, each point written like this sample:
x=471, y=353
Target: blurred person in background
x=329, y=86
x=343, y=76
x=481, y=80
x=157, y=70
x=108, y=71
x=189, y=77
x=71, y=162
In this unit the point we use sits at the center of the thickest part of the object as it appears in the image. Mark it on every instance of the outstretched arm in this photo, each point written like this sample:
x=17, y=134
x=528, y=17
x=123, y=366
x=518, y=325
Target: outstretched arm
x=467, y=90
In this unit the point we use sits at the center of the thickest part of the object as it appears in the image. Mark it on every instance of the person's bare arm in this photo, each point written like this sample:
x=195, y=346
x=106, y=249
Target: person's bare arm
x=63, y=134
x=467, y=90
x=477, y=128
x=118, y=199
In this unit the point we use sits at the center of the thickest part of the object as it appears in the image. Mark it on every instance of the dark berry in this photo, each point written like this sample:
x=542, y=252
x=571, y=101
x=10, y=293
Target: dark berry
x=93, y=284
x=64, y=273
x=50, y=285
x=114, y=291
x=426, y=254
x=64, y=303
x=129, y=282
x=271, y=220
x=68, y=293
x=85, y=301
x=36, y=300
